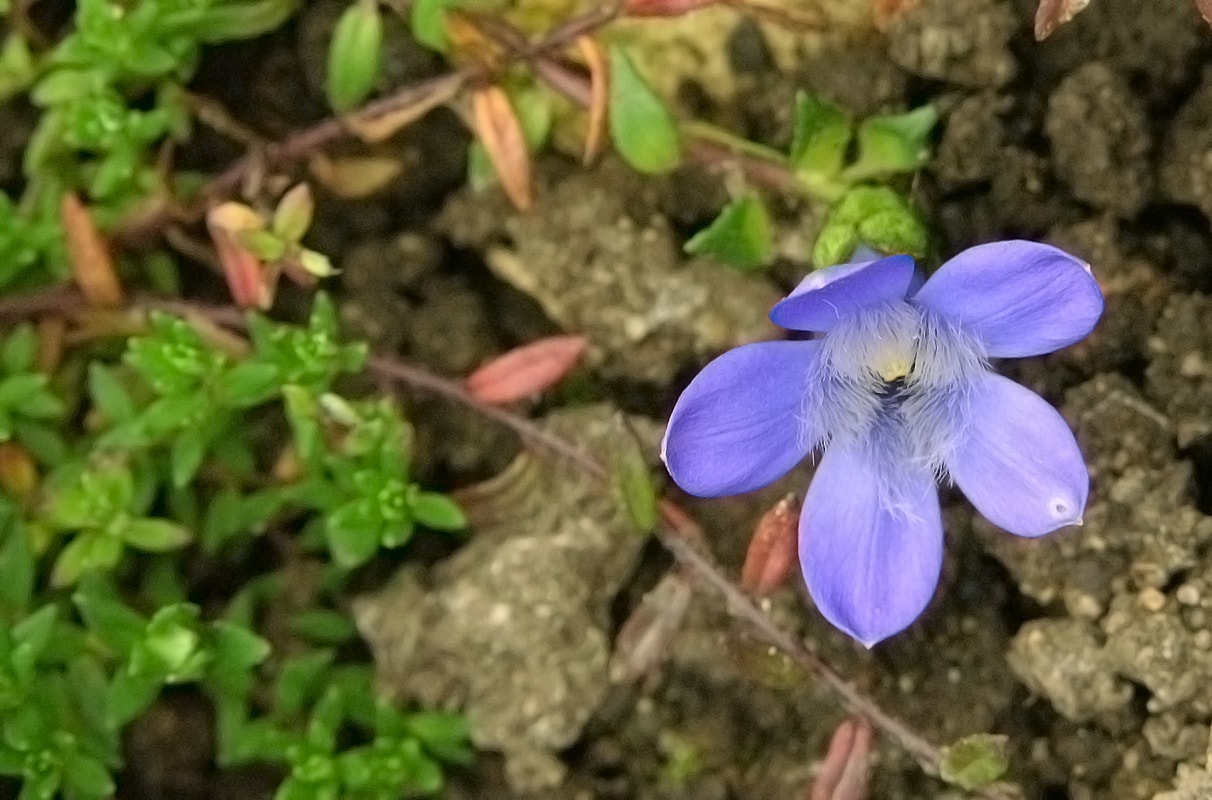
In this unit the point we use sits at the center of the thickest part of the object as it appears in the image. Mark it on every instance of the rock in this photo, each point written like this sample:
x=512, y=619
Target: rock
x=1100, y=139
x=972, y=143
x=1156, y=47
x=1179, y=375
x=1063, y=660
x=601, y=263
x=1185, y=173
x=515, y=629
x=964, y=43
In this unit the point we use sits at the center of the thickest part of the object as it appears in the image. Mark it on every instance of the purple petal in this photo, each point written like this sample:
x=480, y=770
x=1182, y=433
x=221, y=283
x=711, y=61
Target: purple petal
x=740, y=424
x=831, y=294
x=871, y=541
x=1019, y=298
x=1019, y=463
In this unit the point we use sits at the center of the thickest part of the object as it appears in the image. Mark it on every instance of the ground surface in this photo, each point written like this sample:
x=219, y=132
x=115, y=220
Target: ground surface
x=1090, y=649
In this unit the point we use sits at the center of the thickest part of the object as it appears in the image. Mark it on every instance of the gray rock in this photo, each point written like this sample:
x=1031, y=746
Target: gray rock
x=1185, y=173
x=515, y=627
x=1100, y=139
x=598, y=266
x=1179, y=375
x=1063, y=660
x=964, y=43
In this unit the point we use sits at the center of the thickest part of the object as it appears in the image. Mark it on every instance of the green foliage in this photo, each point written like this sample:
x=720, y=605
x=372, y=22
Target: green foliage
x=354, y=55
x=643, y=130
x=741, y=236
x=166, y=471
x=110, y=92
x=974, y=762
x=877, y=216
x=834, y=161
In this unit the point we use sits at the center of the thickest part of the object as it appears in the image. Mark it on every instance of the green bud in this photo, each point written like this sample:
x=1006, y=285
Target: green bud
x=354, y=55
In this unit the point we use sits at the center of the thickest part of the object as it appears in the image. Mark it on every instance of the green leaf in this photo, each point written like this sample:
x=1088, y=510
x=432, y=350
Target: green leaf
x=631, y=482
x=17, y=564
x=873, y=215
x=353, y=532
x=741, y=236
x=354, y=55
x=106, y=616
x=19, y=350
x=87, y=552
x=298, y=681
x=643, y=130
x=323, y=626
x=428, y=23
x=129, y=695
x=186, y=454
x=892, y=143
x=108, y=394
x=975, y=762
x=30, y=638
x=156, y=535
x=447, y=736
x=87, y=777
x=437, y=511
x=248, y=384
x=236, y=651
x=820, y=135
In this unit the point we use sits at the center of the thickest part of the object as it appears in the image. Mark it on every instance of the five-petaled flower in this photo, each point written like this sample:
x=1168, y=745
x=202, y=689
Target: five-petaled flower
x=897, y=390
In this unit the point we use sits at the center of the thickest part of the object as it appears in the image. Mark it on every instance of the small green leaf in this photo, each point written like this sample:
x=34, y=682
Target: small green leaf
x=155, y=535
x=17, y=564
x=354, y=55
x=873, y=215
x=265, y=245
x=248, y=384
x=116, y=625
x=631, y=481
x=892, y=143
x=108, y=393
x=821, y=133
x=128, y=696
x=299, y=679
x=741, y=236
x=87, y=777
x=87, y=552
x=294, y=213
x=353, y=533
x=323, y=626
x=643, y=130
x=428, y=23
x=186, y=454
x=19, y=350
x=974, y=762
x=437, y=511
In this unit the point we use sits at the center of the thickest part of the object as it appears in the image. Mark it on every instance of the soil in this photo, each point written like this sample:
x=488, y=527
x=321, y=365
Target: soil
x=1091, y=649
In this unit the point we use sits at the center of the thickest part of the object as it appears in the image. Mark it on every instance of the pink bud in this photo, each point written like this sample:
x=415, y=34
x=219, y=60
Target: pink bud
x=845, y=771
x=772, y=550
x=526, y=370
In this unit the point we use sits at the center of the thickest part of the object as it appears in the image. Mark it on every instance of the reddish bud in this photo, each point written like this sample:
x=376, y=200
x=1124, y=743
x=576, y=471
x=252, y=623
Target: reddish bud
x=250, y=282
x=1205, y=9
x=526, y=370
x=88, y=253
x=772, y=550
x=499, y=130
x=846, y=769
x=599, y=95
x=1051, y=14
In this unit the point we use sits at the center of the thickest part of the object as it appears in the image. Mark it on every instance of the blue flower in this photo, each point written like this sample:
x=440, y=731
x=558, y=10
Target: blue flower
x=897, y=391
